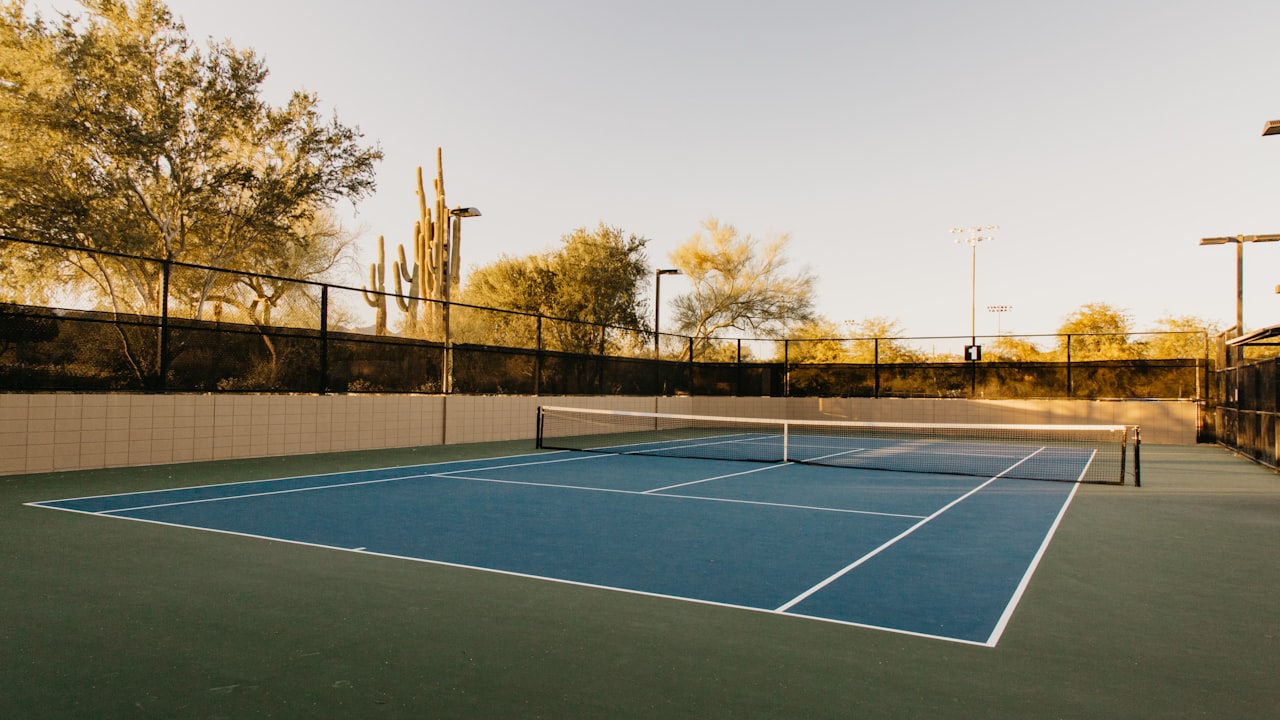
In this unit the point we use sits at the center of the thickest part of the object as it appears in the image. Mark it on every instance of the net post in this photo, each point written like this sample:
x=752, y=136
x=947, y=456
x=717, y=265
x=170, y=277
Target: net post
x=538, y=442
x=1124, y=451
x=786, y=435
x=1137, y=456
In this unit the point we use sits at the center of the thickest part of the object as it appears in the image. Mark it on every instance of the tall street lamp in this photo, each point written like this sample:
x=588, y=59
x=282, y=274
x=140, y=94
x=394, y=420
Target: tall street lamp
x=1239, y=241
x=974, y=237
x=657, y=305
x=451, y=276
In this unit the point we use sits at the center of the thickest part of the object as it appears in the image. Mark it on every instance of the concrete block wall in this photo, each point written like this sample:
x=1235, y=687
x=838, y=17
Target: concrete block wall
x=68, y=431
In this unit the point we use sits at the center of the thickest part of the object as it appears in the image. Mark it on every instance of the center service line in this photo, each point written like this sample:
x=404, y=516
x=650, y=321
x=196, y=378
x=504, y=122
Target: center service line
x=848, y=568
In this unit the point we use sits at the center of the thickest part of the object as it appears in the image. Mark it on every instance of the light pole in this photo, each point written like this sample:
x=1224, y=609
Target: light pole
x=657, y=305
x=450, y=277
x=1239, y=241
x=999, y=310
x=972, y=241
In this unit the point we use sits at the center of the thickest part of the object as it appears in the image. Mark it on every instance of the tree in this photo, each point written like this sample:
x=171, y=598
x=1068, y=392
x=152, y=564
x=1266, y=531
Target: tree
x=1098, y=331
x=119, y=135
x=1010, y=348
x=739, y=283
x=594, y=279
x=875, y=340
x=816, y=341
x=1189, y=342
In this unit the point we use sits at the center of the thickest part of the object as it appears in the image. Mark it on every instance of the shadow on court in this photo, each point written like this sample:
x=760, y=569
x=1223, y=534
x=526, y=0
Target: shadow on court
x=1150, y=602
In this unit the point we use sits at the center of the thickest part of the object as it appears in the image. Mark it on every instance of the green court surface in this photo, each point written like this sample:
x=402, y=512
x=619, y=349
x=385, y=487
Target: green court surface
x=1152, y=602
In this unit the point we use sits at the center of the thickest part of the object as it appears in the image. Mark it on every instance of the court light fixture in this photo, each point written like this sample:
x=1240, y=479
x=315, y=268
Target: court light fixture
x=1272, y=128
x=657, y=304
x=1239, y=241
x=452, y=262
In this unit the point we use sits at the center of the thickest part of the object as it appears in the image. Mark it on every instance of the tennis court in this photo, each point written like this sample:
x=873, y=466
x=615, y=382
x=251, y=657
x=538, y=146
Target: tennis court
x=1156, y=601
x=924, y=552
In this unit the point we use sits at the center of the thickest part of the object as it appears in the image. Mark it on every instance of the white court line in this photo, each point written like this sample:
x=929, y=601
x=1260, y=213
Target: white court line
x=851, y=566
x=455, y=475
x=837, y=454
x=197, y=501
x=718, y=477
x=445, y=474
x=45, y=503
x=650, y=493
x=530, y=576
x=677, y=444
x=1005, y=616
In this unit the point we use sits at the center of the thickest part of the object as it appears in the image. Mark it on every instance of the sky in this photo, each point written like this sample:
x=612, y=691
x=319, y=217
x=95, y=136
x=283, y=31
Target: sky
x=1103, y=138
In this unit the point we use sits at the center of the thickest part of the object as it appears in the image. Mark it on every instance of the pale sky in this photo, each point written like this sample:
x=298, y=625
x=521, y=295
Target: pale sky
x=1105, y=138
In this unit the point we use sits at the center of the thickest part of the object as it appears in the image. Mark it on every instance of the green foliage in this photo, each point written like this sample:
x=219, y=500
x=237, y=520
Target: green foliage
x=119, y=134
x=739, y=283
x=593, y=279
x=1098, y=331
x=1190, y=340
x=1009, y=348
x=876, y=338
x=815, y=342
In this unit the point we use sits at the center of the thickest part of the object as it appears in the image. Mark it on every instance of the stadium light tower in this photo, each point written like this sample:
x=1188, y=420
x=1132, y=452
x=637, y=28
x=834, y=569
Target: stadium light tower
x=1239, y=241
x=972, y=239
x=999, y=310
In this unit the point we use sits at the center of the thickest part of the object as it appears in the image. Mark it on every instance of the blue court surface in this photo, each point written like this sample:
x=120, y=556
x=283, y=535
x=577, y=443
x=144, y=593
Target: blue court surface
x=942, y=556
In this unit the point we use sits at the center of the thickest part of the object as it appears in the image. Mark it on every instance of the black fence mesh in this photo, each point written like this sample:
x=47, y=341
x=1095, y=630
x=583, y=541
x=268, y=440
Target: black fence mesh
x=45, y=349
x=1242, y=411
x=199, y=329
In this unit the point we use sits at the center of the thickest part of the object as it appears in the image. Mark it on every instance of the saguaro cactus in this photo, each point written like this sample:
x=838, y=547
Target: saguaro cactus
x=375, y=293
x=420, y=276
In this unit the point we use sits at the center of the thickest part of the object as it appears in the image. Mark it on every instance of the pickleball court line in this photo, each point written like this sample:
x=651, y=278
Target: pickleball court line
x=895, y=540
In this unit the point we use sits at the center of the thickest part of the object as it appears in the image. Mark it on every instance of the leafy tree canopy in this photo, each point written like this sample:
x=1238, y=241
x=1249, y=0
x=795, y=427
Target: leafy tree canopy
x=594, y=278
x=117, y=133
x=1190, y=341
x=739, y=283
x=876, y=339
x=1098, y=331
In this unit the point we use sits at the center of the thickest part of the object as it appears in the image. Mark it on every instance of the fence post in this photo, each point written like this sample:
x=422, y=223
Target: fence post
x=600, y=363
x=446, y=364
x=737, y=372
x=875, y=359
x=324, y=339
x=163, y=360
x=1070, y=388
x=691, y=368
x=786, y=368
x=537, y=359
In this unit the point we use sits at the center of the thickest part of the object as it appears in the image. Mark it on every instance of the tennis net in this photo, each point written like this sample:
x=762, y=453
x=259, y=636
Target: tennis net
x=1071, y=453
